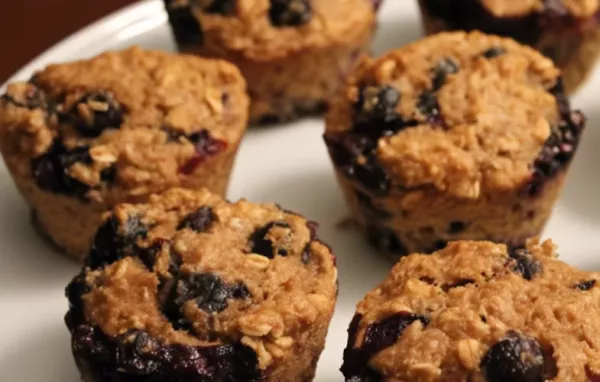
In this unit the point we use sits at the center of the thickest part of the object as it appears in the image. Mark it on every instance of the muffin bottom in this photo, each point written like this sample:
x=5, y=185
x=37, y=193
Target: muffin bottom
x=422, y=221
x=574, y=46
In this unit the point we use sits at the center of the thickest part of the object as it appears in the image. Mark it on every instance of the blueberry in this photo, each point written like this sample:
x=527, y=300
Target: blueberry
x=74, y=293
x=260, y=244
x=385, y=333
x=560, y=147
x=346, y=149
x=312, y=228
x=137, y=356
x=206, y=147
x=442, y=70
x=429, y=107
x=208, y=290
x=31, y=98
x=493, y=52
x=223, y=7
x=290, y=13
x=524, y=263
x=133, y=350
x=586, y=285
x=377, y=103
x=114, y=242
x=456, y=227
x=199, y=220
x=150, y=254
x=109, y=175
x=591, y=376
x=378, y=336
x=516, y=358
x=386, y=240
x=93, y=113
x=51, y=170
x=186, y=27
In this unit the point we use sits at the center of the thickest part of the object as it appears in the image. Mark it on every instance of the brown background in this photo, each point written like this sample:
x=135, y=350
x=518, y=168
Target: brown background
x=28, y=27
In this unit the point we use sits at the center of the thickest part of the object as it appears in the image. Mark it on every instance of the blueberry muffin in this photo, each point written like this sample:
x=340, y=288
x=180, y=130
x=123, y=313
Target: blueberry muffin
x=567, y=31
x=457, y=136
x=80, y=137
x=189, y=287
x=293, y=53
x=478, y=312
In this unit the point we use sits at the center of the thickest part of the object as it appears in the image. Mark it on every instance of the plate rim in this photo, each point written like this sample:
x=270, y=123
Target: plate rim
x=109, y=24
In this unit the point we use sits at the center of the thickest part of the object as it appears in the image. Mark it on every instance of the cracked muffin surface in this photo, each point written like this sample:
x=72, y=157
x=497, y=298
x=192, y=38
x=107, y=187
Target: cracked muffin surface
x=240, y=291
x=449, y=127
x=478, y=311
x=293, y=53
x=82, y=136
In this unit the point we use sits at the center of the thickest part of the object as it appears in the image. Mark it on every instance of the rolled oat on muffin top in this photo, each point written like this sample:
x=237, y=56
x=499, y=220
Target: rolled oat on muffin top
x=81, y=137
x=293, y=53
x=190, y=287
x=479, y=312
x=458, y=129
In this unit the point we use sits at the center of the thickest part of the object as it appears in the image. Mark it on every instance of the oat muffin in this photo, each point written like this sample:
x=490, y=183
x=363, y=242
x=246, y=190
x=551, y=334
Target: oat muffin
x=567, y=31
x=457, y=136
x=189, y=287
x=78, y=138
x=478, y=312
x=293, y=53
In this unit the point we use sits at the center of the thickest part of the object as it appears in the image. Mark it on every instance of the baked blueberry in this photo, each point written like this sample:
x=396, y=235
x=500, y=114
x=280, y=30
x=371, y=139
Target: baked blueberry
x=493, y=52
x=443, y=69
x=516, y=358
x=222, y=7
x=93, y=113
x=199, y=220
x=260, y=241
x=290, y=12
x=525, y=263
x=186, y=27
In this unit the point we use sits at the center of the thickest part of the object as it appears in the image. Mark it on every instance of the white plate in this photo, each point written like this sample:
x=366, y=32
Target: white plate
x=286, y=164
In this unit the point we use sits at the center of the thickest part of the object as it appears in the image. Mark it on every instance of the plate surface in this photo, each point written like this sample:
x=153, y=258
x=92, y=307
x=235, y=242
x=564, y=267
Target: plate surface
x=285, y=164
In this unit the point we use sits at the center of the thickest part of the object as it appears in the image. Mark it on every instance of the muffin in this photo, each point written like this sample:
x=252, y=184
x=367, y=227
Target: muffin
x=457, y=136
x=81, y=137
x=293, y=53
x=189, y=287
x=567, y=31
x=478, y=312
